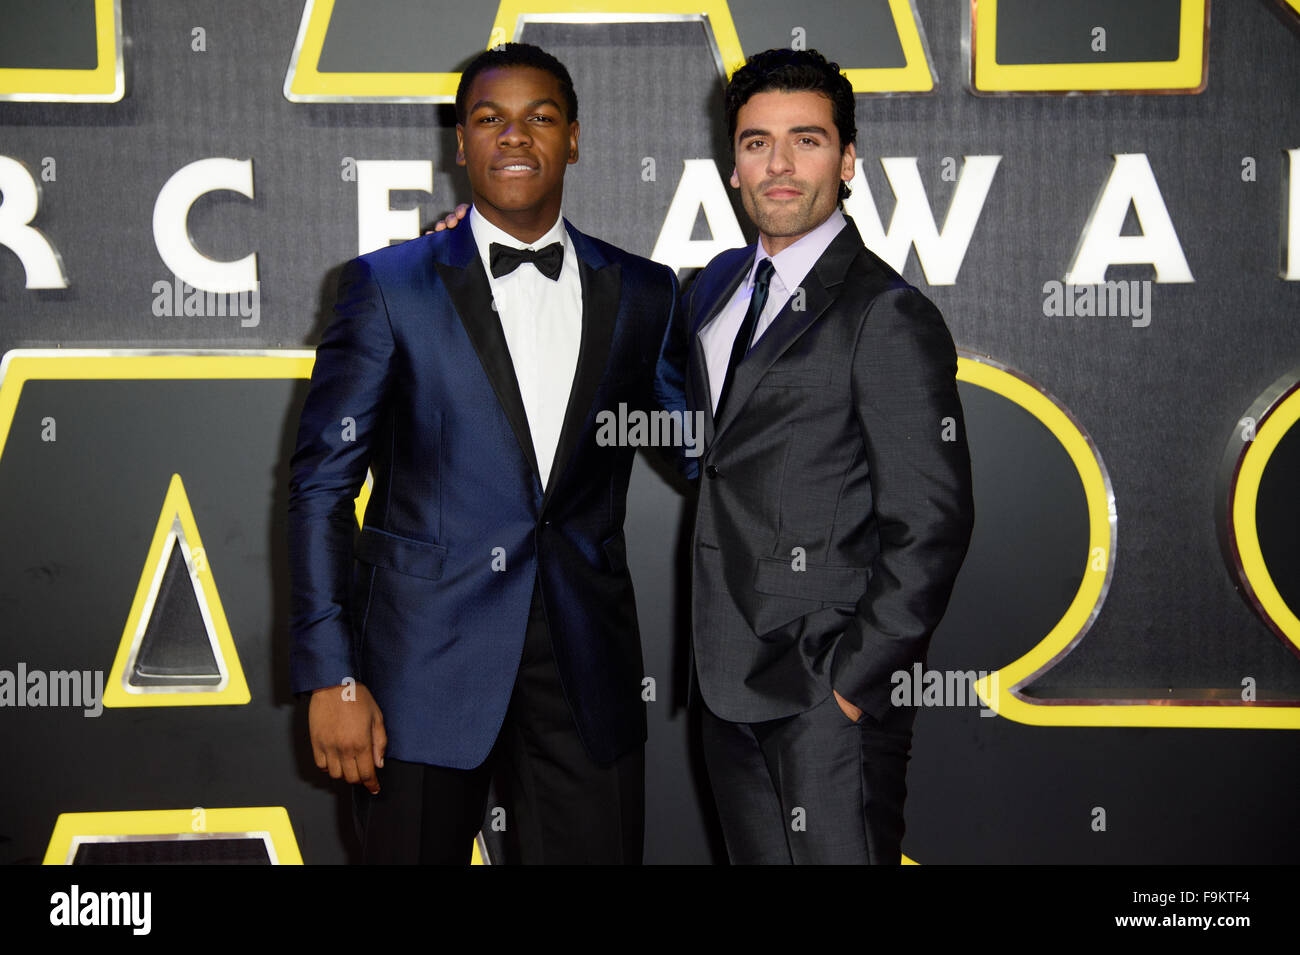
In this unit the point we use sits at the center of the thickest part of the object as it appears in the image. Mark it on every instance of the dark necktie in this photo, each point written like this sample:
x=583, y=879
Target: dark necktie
x=505, y=259
x=739, y=348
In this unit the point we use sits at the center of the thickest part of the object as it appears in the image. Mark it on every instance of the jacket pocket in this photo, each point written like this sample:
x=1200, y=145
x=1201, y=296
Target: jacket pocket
x=824, y=582
x=811, y=377
x=401, y=554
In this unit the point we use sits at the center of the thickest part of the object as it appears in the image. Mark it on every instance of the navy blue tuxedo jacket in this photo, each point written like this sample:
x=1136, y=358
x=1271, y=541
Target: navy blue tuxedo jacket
x=413, y=379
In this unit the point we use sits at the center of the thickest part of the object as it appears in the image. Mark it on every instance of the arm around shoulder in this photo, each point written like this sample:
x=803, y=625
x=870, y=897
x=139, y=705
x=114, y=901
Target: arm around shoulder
x=670, y=381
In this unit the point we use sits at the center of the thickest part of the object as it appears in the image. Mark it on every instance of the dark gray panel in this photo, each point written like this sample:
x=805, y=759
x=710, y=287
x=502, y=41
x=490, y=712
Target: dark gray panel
x=174, y=852
x=48, y=35
x=1060, y=31
x=859, y=34
x=404, y=36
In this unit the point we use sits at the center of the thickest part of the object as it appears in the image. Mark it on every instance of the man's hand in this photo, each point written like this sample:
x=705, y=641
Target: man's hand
x=851, y=711
x=450, y=220
x=347, y=733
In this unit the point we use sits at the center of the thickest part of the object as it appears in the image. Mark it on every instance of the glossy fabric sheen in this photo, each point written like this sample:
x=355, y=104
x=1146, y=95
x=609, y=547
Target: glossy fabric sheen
x=416, y=358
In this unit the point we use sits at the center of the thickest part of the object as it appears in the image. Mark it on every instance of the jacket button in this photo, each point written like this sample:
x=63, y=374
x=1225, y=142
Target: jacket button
x=711, y=471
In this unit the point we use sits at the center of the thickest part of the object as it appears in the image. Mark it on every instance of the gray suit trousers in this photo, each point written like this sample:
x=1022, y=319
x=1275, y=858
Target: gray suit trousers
x=813, y=788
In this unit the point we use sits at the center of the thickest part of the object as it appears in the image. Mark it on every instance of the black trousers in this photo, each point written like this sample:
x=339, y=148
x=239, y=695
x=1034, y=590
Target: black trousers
x=813, y=788
x=562, y=807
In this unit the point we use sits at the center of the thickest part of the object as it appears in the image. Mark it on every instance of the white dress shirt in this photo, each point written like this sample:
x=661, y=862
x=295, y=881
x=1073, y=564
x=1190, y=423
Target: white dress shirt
x=792, y=264
x=542, y=321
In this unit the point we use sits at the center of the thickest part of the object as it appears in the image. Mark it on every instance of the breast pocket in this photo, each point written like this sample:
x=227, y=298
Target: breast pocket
x=810, y=377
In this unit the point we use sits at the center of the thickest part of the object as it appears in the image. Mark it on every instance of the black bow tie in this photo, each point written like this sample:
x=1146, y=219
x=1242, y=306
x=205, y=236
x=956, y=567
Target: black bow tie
x=505, y=259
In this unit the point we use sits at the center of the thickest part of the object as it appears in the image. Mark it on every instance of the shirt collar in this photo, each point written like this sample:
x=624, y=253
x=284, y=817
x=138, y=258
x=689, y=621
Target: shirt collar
x=795, y=261
x=485, y=233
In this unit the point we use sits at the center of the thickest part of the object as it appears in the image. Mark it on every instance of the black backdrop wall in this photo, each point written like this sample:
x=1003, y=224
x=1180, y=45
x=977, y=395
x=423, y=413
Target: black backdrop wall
x=1164, y=734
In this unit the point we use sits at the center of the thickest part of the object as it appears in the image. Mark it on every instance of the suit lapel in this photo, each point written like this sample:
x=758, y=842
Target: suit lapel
x=466, y=282
x=601, y=289
x=718, y=296
x=697, y=383
x=819, y=285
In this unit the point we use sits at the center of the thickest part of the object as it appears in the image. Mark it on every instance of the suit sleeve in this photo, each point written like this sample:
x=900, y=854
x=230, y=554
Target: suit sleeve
x=336, y=434
x=905, y=396
x=670, y=382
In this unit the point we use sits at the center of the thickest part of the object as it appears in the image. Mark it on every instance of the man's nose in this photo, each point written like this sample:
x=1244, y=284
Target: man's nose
x=514, y=134
x=780, y=161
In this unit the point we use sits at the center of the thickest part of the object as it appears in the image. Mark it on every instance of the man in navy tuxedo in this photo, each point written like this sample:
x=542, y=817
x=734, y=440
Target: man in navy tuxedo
x=484, y=617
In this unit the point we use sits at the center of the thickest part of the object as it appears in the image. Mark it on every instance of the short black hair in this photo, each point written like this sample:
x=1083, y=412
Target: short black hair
x=794, y=71
x=516, y=54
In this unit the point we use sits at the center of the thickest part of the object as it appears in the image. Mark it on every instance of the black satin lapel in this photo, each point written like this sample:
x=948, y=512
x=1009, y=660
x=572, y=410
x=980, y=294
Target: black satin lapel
x=600, y=298
x=725, y=292
x=472, y=296
x=783, y=332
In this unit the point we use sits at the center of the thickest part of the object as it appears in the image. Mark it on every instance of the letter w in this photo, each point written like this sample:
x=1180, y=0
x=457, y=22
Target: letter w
x=940, y=252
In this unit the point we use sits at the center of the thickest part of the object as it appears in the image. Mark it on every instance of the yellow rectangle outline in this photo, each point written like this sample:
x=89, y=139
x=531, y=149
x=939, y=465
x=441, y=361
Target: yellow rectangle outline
x=21, y=365
x=1187, y=73
x=169, y=822
x=100, y=83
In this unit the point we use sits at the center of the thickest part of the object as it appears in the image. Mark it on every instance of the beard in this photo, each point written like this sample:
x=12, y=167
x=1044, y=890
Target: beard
x=788, y=217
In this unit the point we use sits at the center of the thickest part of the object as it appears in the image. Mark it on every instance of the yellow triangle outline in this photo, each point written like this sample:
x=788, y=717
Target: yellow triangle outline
x=177, y=528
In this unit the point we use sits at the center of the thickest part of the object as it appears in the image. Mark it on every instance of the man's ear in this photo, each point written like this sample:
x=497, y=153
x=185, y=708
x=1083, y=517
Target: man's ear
x=573, y=141
x=735, y=179
x=848, y=163
x=460, y=145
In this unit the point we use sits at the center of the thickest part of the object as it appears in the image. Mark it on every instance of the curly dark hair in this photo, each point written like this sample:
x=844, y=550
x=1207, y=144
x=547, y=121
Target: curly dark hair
x=516, y=54
x=794, y=71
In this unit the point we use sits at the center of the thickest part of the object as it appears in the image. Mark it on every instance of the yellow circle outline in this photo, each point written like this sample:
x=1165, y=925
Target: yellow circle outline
x=1245, y=528
x=997, y=689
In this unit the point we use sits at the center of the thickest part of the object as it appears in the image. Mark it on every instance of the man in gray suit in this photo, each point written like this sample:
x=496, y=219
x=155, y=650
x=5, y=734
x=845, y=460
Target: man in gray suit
x=835, y=502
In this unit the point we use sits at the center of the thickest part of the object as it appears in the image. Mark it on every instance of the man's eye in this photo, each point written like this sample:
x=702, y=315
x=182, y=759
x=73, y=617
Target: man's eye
x=544, y=119
x=753, y=142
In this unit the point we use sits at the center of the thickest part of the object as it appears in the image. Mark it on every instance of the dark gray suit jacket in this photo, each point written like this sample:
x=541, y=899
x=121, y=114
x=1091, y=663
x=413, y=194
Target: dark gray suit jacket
x=835, y=502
